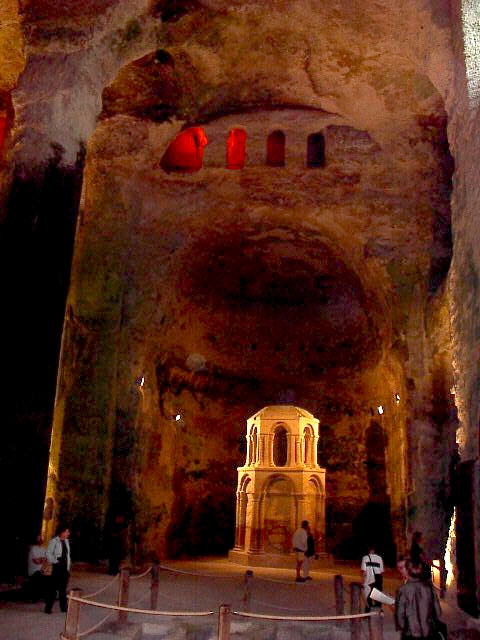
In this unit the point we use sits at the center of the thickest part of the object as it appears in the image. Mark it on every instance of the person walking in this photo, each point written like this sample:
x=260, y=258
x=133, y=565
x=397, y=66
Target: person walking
x=58, y=554
x=299, y=544
x=372, y=572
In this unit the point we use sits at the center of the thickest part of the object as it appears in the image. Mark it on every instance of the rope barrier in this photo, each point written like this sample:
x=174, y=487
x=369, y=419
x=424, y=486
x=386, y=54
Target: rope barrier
x=197, y=575
x=141, y=575
x=163, y=595
x=211, y=575
x=109, y=584
x=304, y=618
x=95, y=627
x=273, y=606
x=277, y=580
x=289, y=581
x=102, y=605
x=143, y=597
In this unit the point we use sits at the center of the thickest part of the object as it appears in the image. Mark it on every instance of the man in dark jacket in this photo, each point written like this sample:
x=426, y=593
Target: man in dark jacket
x=416, y=608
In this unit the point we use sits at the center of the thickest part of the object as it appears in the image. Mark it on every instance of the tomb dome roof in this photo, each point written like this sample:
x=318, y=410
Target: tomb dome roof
x=283, y=411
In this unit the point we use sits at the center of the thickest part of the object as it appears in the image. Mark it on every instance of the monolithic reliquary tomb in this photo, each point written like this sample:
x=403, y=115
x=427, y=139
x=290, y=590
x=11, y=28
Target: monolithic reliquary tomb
x=280, y=485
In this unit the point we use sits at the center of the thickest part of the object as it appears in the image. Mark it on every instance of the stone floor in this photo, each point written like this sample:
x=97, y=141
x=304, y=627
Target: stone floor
x=204, y=585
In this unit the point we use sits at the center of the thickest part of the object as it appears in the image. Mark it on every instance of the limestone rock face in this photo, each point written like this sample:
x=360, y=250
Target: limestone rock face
x=197, y=297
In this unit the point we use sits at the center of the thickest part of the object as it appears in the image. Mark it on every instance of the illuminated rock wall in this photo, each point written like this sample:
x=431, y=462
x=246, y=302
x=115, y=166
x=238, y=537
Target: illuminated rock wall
x=225, y=290
x=464, y=132
x=212, y=294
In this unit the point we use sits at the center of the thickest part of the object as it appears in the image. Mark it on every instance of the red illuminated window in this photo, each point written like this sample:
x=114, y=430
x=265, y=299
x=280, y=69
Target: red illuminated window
x=185, y=153
x=236, y=142
x=276, y=149
x=316, y=150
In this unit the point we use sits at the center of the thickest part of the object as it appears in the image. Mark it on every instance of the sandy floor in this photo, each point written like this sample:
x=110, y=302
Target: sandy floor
x=204, y=585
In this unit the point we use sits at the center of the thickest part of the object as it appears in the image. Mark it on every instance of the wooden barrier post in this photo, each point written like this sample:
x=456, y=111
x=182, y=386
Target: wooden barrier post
x=123, y=593
x=73, y=616
x=376, y=627
x=154, y=587
x=339, y=601
x=355, y=623
x=224, y=622
x=248, y=589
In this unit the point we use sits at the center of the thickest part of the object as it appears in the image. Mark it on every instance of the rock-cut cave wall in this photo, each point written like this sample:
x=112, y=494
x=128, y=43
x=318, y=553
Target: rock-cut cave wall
x=210, y=295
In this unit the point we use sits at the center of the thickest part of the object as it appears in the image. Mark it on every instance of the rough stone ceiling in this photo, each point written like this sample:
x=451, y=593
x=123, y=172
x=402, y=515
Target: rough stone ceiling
x=394, y=60
x=274, y=306
x=380, y=67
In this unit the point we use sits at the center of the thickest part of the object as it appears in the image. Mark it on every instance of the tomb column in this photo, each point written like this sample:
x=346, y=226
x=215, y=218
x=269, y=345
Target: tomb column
x=241, y=516
x=256, y=530
x=268, y=449
x=261, y=450
x=315, y=450
x=292, y=450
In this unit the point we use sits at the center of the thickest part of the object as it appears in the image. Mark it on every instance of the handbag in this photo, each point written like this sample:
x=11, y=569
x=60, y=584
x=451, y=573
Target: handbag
x=47, y=568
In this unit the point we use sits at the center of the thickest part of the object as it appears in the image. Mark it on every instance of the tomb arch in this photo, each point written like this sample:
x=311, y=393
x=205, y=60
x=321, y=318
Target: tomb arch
x=279, y=507
x=281, y=451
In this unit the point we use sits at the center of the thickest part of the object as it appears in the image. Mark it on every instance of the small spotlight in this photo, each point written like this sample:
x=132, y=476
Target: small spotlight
x=140, y=381
x=380, y=409
x=397, y=398
x=178, y=417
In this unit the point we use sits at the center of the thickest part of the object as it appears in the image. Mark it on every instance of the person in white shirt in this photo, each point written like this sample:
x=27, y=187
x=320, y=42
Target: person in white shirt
x=37, y=556
x=372, y=573
x=299, y=544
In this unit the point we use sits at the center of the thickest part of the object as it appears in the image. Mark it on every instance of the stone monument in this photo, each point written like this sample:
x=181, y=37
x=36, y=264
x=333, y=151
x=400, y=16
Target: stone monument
x=280, y=485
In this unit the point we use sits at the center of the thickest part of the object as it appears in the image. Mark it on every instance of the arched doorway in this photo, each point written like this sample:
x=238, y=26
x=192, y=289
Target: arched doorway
x=280, y=508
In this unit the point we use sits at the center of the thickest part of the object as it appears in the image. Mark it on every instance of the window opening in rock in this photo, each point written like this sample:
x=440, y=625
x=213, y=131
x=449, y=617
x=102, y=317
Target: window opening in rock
x=236, y=143
x=316, y=150
x=280, y=447
x=276, y=149
x=185, y=153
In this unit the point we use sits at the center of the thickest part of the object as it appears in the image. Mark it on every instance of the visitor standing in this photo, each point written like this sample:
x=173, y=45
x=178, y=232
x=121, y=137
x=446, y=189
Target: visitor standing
x=309, y=555
x=417, y=609
x=58, y=554
x=37, y=556
x=419, y=557
x=299, y=544
x=372, y=574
